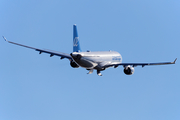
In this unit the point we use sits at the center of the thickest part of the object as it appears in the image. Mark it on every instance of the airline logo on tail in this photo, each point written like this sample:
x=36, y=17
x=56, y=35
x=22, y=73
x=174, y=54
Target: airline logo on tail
x=75, y=41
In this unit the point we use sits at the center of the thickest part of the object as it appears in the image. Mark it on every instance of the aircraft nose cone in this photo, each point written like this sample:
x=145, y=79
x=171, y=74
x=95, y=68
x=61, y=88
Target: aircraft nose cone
x=73, y=54
x=76, y=56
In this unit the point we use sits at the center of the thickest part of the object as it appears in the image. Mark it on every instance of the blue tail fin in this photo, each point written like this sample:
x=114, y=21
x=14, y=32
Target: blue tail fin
x=76, y=44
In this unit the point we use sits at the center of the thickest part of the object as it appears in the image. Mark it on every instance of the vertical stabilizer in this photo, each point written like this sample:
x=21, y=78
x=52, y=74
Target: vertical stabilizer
x=76, y=44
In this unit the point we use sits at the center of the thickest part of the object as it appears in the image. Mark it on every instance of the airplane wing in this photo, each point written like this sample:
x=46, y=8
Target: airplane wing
x=52, y=53
x=140, y=64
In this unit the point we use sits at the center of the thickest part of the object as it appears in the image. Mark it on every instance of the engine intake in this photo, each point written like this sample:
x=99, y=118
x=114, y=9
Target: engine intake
x=129, y=70
x=73, y=64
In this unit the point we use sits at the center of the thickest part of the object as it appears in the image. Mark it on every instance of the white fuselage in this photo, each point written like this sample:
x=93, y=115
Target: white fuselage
x=96, y=60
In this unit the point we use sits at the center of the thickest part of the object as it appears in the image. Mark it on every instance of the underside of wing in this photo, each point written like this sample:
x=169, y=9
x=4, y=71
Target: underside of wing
x=141, y=64
x=51, y=52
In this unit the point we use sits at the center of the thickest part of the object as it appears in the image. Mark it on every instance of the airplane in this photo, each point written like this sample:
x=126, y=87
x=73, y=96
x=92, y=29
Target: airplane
x=91, y=61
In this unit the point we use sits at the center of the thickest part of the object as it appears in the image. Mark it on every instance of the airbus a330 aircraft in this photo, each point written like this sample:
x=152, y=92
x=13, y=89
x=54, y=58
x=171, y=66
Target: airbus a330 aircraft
x=93, y=60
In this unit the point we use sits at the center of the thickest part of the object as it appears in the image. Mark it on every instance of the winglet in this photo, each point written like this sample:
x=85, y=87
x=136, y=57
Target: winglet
x=175, y=61
x=5, y=39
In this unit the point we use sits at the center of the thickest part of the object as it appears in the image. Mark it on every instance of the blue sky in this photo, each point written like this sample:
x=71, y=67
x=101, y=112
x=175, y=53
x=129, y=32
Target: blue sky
x=34, y=86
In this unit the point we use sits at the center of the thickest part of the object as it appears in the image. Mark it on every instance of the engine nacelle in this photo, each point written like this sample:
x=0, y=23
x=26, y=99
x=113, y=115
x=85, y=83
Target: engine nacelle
x=128, y=70
x=73, y=64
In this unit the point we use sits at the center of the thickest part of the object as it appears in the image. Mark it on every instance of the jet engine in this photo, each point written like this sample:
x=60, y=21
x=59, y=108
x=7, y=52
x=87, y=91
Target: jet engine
x=128, y=70
x=73, y=64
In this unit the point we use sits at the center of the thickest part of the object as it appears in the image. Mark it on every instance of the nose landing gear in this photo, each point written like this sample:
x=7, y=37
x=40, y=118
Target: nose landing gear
x=90, y=71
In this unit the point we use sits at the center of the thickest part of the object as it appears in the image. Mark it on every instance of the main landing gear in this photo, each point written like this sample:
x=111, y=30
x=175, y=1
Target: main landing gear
x=98, y=72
